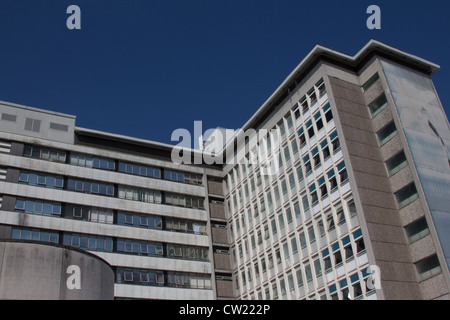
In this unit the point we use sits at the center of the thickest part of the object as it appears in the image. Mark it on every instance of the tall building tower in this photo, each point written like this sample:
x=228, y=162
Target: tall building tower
x=362, y=190
x=356, y=208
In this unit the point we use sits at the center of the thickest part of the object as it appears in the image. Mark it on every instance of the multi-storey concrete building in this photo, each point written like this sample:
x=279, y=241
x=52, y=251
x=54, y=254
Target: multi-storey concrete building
x=118, y=197
x=358, y=206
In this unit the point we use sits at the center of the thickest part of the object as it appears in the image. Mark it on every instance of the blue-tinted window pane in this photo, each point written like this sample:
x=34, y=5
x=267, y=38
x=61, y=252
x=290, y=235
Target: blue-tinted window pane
x=47, y=208
x=29, y=206
x=20, y=204
x=35, y=235
x=38, y=207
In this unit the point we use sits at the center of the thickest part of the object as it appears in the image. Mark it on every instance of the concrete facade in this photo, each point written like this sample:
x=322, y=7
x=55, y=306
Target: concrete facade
x=30, y=271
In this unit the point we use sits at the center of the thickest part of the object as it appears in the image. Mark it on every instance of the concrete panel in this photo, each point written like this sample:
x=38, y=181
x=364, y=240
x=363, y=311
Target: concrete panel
x=217, y=211
x=92, y=272
x=369, y=166
x=411, y=212
x=30, y=271
x=224, y=289
x=397, y=271
x=355, y=108
x=5, y=232
x=434, y=288
x=422, y=248
x=222, y=261
x=376, y=198
x=391, y=148
x=354, y=121
x=359, y=135
x=374, y=91
x=382, y=119
x=378, y=215
x=219, y=236
x=401, y=179
x=165, y=293
x=369, y=181
x=363, y=150
x=215, y=188
x=387, y=234
x=39, y=271
x=400, y=290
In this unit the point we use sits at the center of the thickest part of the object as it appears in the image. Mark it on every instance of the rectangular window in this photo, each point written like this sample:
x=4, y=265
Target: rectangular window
x=341, y=216
x=330, y=222
x=281, y=221
x=319, y=124
x=312, y=96
x=283, y=187
x=301, y=137
x=396, y=163
x=321, y=87
x=302, y=240
x=387, y=132
x=326, y=259
x=428, y=267
x=58, y=126
x=311, y=235
x=87, y=187
x=406, y=195
x=9, y=117
x=328, y=116
x=317, y=267
x=332, y=179
x=294, y=245
x=308, y=273
x=370, y=82
x=417, y=230
x=304, y=104
x=44, y=154
x=378, y=105
x=299, y=278
x=305, y=203
x=139, y=170
x=320, y=227
x=282, y=127
x=32, y=125
x=289, y=120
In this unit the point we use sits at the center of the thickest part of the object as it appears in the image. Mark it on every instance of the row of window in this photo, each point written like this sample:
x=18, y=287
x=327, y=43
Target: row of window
x=306, y=272
x=44, y=180
x=110, y=244
x=107, y=216
x=317, y=228
x=265, y=147
x=90, y=161
x=407, y=194
x=344, y=290
x=145, y=277
x=352, y=290
x=105, y=189
x=293, y=177
x=241, y=219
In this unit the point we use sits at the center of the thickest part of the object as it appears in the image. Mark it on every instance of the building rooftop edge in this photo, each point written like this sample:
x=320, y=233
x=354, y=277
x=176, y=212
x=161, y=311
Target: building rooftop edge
x=319, y=51
x=54, y=113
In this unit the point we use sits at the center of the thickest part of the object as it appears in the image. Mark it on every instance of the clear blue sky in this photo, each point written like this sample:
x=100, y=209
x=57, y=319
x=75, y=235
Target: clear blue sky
x=144, y=68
